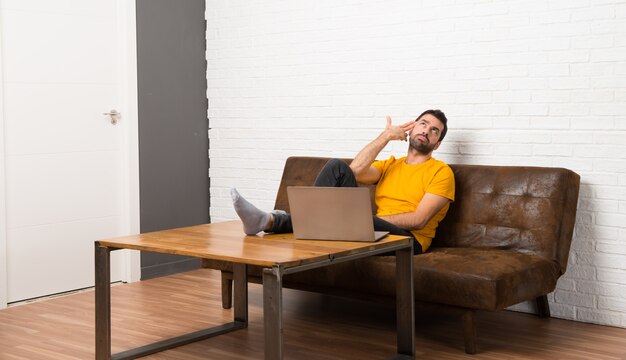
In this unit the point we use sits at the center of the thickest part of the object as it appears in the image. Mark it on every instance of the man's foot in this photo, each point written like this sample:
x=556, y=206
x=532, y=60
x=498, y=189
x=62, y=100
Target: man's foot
x=254, y=220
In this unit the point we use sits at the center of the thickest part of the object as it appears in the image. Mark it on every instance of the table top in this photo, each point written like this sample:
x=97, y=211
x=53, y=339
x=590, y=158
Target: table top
x=227, y=241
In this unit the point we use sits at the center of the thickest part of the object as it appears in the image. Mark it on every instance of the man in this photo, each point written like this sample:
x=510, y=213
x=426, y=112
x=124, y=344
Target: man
x=413, y=193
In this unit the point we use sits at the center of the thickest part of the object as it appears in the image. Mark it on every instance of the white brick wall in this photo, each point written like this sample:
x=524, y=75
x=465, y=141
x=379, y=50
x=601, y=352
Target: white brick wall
x=540, y=83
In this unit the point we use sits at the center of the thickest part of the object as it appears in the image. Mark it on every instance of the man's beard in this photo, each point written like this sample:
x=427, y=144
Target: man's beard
x=421, y=147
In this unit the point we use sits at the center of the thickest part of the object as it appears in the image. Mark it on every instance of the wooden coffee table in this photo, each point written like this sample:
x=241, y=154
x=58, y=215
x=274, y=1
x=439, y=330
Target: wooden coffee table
x=279, y=254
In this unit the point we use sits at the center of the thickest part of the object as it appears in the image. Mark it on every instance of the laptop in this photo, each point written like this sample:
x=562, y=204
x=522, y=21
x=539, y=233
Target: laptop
x=332, y=213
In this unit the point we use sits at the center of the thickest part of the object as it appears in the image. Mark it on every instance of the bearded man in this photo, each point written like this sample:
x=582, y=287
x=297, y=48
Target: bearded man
x=413, y=193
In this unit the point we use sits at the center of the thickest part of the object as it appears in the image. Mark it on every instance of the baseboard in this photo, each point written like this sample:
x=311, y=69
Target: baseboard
x=153, y=271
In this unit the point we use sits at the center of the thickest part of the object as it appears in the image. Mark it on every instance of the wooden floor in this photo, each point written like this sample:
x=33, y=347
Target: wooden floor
x=315, y=327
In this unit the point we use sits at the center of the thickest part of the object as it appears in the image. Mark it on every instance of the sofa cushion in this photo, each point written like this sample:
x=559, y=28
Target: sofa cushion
x=487, y=279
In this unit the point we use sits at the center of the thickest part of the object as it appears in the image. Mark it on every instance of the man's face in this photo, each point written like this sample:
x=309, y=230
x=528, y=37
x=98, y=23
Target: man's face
x=424, y=137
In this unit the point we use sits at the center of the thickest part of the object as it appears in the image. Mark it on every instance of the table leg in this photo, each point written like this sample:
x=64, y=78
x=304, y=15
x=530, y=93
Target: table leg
x=103, y=302
x=405, y=307
x=240, y=280
x=272, y=312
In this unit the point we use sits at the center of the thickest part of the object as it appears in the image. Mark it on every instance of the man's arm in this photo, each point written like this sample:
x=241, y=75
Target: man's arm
x=416, y=220
x=362, y=167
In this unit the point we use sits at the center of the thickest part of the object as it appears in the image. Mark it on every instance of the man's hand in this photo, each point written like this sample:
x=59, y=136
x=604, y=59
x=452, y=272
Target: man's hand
x=395, y=132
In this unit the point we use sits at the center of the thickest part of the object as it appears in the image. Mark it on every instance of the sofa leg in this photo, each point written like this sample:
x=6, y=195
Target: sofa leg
x=543, y=308
x=469, y=332
x=227, y=290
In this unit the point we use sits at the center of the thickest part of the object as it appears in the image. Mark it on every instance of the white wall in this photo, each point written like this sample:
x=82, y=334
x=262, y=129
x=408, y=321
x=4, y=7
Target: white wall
x=539, y=83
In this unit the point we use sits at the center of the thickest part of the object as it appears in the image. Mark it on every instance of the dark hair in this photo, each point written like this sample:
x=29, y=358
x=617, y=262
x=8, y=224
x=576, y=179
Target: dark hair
x=441, y=117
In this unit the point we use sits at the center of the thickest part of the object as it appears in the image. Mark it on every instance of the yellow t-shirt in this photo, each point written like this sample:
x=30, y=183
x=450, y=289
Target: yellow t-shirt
x=401, y=188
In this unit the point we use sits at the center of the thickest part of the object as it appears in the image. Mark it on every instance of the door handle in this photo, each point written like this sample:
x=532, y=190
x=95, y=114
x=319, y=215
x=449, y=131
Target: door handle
x=115, y=116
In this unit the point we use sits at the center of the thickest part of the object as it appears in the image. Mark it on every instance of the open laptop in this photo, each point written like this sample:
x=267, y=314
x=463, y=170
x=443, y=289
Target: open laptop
x=332, y=213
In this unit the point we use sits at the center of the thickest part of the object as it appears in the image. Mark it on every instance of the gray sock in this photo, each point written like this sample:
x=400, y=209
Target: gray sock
x=254, y=220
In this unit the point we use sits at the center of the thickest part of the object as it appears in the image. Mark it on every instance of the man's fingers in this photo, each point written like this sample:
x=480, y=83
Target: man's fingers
x=400, y=131
x=408, y=124
x=408, y=128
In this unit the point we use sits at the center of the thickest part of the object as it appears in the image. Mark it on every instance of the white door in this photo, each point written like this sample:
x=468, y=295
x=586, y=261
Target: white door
x=69, y=172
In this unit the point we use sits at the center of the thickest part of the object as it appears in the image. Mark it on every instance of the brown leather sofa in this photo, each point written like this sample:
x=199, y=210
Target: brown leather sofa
x=505, y=240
